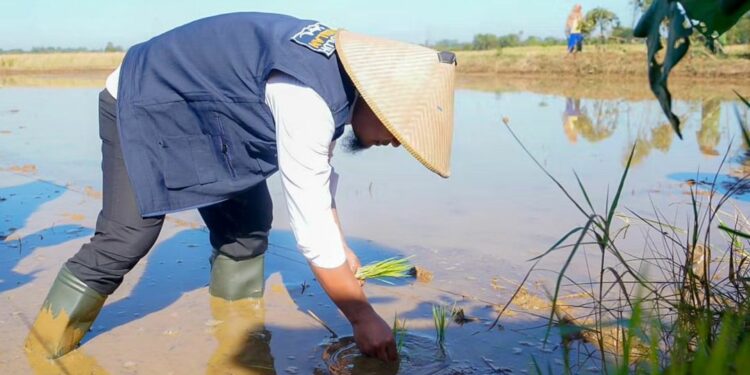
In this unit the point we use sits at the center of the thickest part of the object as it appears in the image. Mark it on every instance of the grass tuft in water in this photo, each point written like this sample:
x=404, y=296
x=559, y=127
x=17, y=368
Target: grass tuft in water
x=399, y=332
x=679, y=305
x=441, y=316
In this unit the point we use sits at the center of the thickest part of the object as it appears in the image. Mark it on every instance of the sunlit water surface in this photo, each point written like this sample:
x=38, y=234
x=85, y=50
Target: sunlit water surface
x=497, y=210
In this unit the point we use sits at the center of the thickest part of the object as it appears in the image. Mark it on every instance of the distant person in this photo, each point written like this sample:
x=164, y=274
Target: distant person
x=200, y=116
x=574, y=30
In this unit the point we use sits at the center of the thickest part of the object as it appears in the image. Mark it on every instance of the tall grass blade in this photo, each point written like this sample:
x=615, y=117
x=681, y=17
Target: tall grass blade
x=536, y=366
x=562, y=274
x=616, y=200
x=734, y=232
x=558, y=243
x=583, y=191
x=747, y=103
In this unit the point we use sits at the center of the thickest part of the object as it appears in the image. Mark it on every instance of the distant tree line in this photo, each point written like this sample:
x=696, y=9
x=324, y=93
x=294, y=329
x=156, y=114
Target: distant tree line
x=110, y=47
x=600, y=26
x=599, y=22
x=492, y=41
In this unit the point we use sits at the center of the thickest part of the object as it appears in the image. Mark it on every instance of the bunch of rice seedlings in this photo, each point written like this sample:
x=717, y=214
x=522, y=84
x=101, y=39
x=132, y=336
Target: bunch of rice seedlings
x=399, y=332
x=391, y=267
x=441, y=316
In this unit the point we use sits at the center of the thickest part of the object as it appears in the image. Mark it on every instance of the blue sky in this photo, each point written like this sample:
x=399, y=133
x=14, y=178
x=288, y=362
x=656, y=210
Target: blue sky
x=92, y=23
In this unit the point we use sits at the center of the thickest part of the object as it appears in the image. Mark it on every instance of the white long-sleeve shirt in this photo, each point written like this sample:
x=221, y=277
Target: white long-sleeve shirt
x=304, y=132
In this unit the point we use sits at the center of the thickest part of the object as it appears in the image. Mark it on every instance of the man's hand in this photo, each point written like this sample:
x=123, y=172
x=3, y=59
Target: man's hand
x=371, y=333
x=374, y=338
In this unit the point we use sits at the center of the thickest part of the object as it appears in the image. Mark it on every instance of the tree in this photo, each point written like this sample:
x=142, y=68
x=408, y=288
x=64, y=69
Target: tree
x=112, y=48
x=450, y=45
x=603, y=19
x=623, y=34
x=484, y=41
x=509, y=40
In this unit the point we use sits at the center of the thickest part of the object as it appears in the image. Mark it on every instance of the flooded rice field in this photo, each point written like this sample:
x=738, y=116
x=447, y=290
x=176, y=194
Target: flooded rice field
x=475, y=232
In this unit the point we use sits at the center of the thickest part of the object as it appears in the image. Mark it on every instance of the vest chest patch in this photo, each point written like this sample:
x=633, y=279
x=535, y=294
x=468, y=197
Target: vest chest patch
x=317, y=37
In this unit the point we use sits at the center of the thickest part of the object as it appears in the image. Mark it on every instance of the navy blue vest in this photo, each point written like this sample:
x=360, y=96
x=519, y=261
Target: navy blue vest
x=192, y=117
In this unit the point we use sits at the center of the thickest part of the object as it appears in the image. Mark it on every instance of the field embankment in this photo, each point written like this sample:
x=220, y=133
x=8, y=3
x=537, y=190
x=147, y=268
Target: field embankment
x=59, y=63
x=603, y=87
x=600, y=60
x=539, y=65
x=79, y=69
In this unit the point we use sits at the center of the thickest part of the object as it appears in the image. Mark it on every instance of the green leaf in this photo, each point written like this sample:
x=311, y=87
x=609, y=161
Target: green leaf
x=711, y=17
x=734, y=232
x=678, y=43
x=716, y=16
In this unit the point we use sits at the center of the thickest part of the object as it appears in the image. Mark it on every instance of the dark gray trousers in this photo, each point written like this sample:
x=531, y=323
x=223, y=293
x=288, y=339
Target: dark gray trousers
x=238, y=227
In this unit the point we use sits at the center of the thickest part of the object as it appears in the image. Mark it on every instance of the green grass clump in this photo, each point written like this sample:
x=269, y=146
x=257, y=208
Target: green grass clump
x=441, y=316
x=679, y=305
x=391, y=267
x=399, y=332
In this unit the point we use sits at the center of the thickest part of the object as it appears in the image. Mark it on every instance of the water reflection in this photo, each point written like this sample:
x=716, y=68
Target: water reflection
x=596, y=120
x=606, y=116
x=659, y=138
x=577, y=121
x=243, y=340
x=75, y=362
x=571, y=116
x=709, y=134
x=736, y=181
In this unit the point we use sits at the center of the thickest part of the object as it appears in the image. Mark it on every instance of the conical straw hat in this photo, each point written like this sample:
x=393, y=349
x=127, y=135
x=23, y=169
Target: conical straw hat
x=409, y=88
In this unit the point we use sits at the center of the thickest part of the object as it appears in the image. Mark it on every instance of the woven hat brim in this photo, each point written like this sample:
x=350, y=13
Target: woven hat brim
x=408, y=89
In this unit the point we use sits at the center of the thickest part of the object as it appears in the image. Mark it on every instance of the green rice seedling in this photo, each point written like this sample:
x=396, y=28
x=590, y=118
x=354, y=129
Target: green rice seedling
x=441, y=316
x=399, y=332
x=391, y=267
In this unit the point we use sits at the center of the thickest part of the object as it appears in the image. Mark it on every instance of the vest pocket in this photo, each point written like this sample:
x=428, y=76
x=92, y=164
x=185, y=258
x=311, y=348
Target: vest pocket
x=263, y=155
x=188, y=161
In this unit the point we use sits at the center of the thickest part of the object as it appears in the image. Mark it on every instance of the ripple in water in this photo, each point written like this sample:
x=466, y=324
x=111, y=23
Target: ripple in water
x=419, y=355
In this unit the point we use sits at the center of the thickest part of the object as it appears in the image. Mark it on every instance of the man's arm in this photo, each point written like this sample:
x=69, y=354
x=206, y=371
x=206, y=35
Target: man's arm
x=351, y=258
x=371, y=332
x=345, y=290
x=304, y=128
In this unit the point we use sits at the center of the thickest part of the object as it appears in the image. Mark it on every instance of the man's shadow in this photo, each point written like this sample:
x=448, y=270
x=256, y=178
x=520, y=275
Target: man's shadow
x=180, y=265
x=738, y=188
x=17, y=204
x=175, y=267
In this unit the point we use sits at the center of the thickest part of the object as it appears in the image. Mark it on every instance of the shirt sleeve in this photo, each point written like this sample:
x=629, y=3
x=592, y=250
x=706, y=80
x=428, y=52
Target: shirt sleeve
x=304, y=132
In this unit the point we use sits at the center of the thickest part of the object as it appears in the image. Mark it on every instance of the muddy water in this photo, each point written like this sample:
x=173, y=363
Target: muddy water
x=474, y=231
x=417, y=355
